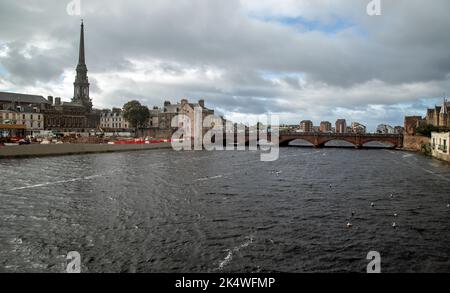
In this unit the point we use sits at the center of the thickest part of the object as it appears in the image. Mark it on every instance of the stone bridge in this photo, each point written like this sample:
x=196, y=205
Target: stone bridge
x=358, y=140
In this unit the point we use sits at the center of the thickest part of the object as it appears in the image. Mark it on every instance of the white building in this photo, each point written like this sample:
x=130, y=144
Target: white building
x=34, y=121
x=440, y=145
x=385, y=129
x=358, y=128
x=113, y=121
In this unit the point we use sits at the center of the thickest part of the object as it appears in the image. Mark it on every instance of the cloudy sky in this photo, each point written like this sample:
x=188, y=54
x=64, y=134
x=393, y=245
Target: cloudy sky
x=302, y=59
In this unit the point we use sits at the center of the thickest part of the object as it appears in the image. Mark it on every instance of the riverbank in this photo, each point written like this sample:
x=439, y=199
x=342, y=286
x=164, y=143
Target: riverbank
x=42, y=150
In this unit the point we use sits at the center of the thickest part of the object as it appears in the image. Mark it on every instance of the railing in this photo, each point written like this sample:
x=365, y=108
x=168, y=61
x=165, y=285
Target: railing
x=338, y=134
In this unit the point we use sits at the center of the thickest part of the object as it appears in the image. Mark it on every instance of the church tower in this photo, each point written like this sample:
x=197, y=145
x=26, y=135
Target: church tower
x=443, y=115
x=81, y=84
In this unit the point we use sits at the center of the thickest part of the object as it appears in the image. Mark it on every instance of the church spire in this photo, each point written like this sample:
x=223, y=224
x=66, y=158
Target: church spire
x=81, y=59
x=444, y=109
x=81, y=84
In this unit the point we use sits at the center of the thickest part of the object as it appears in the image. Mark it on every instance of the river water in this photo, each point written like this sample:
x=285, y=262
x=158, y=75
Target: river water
x=166, y=211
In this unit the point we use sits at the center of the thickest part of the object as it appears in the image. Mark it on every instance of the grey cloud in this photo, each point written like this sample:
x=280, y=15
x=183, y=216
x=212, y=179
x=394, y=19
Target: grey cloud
x=40, y=65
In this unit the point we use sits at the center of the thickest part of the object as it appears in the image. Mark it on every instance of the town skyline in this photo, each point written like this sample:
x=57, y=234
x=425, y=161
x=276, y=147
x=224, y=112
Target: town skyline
x=38, y=113
x=39, y=59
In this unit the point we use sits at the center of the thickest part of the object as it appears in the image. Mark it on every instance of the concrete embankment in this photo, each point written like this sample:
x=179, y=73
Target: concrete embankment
x=39, y=150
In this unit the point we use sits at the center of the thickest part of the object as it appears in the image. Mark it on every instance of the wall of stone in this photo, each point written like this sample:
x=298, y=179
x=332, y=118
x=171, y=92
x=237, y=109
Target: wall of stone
x=414, y=142
x=37, y=150
x=155, y=133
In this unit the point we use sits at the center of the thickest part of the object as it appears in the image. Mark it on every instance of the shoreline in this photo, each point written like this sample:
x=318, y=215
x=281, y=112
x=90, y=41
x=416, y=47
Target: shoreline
x=40, y=150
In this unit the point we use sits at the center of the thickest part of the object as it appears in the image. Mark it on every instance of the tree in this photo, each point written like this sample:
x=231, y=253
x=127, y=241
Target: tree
x=116, y=110
x=136, y=114
x=427, y=129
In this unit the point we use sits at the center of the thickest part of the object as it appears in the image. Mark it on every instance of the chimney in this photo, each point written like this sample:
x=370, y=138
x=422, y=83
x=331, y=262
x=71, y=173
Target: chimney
x=201, y=103
x=50, y=100
x=57, y=101
x=166, y=103
x=184, y=101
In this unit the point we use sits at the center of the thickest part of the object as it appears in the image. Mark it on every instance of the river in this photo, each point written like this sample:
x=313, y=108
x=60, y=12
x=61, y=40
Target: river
x=166, y=211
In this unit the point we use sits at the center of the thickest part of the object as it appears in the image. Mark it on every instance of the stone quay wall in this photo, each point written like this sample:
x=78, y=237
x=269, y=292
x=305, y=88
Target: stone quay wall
x=39, y=150
x=414, y=143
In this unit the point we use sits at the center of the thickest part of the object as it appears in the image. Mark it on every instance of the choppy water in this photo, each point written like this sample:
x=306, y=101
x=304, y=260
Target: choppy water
x=163, y=211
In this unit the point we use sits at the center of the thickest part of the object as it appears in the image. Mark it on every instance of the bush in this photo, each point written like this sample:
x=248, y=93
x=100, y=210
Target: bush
x=426, y=149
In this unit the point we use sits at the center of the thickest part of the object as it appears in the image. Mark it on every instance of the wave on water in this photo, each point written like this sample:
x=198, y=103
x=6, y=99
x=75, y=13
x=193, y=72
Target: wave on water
x=229, y=256
x=54, y=183
x=209, y=178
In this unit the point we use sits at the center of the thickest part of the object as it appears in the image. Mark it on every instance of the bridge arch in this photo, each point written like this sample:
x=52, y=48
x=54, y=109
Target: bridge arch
x=389, y=142
x=338, y=143
x=346, y=139
x=304, y=142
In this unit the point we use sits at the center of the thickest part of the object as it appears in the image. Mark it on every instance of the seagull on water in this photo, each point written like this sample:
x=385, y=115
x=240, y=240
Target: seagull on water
x=372, y=204
x=276, y=172
x=349, y=225
x=394, y=225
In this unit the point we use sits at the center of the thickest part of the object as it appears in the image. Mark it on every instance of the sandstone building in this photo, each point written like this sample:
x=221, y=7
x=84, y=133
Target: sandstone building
x=306, y=126
x=439, y=115
x=341, y=126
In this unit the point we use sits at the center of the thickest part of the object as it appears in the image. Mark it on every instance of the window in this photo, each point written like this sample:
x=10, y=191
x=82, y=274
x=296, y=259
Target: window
x=23, y=116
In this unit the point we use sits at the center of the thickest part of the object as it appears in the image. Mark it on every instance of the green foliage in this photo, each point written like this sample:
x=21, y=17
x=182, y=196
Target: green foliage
x=426, y=149
x=116, y=110
x=136, y=114
x=426, y=130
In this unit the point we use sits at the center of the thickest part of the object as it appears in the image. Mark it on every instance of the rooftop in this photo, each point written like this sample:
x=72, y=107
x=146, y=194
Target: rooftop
x=22, y=98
